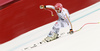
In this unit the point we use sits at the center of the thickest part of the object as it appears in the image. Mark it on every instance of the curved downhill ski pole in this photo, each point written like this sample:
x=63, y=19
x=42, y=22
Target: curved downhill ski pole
x=85, y=25
x=50, y=11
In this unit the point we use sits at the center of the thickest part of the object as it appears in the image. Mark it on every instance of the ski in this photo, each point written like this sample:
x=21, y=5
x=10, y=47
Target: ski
x=40, y=43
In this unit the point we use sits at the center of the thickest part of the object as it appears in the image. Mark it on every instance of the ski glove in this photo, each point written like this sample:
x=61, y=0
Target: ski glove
x=42, y=6
x=71, y=31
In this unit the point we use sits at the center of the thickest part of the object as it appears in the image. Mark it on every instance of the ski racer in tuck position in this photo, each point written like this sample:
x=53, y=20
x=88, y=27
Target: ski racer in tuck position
x=63, y=21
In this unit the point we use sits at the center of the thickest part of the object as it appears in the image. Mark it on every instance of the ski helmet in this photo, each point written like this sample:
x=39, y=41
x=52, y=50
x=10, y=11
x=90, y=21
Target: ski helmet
x=58, y=6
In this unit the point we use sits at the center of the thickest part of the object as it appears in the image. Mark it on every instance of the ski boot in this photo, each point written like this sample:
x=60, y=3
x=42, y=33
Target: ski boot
x=53, y=37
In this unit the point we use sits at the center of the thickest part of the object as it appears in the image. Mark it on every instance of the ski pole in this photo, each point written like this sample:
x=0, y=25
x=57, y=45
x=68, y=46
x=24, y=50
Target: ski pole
x=85, y=25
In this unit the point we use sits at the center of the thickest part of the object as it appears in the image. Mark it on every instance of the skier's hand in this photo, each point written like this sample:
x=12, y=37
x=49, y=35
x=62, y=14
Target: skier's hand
x=42, y=6
x=71, y=31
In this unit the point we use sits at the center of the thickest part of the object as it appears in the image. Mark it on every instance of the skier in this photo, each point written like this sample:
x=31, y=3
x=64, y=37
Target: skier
x=63, y=21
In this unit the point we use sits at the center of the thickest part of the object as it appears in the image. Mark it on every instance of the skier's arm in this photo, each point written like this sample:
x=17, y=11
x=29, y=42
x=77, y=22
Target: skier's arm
x=70, y=25
x=47, y=6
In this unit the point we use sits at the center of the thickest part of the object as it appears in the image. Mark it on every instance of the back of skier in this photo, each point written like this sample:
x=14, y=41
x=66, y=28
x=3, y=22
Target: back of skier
x=63, y=21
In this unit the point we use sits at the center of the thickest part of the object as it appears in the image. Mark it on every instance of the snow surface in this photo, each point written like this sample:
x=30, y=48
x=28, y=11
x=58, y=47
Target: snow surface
x=87, y=39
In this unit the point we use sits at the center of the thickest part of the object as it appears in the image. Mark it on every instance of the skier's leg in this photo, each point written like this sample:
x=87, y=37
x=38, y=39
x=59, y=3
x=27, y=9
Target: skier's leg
x=54, y=32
